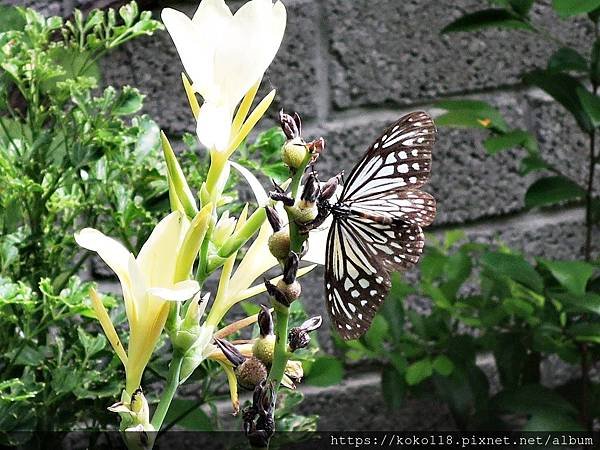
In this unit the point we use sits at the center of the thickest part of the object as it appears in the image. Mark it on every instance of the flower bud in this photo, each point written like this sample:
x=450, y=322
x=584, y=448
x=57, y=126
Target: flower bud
x=290, y=268
x=274, y=219
x=291, y=126
x=265, y=321
x=134, y=411
x=139, y=406
x=264, y=346
x=279, y=243
x=294, y=370
x=190, y=328
x=223, y=229
x=330, y=187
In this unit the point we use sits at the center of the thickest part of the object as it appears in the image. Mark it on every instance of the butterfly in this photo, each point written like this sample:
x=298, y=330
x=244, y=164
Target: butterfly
x=377, y=222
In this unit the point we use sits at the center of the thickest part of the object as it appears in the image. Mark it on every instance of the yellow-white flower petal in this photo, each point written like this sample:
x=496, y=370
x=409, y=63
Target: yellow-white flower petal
x=253, y=39
x=194, y=49
x=180, y=292
x=225, y=55
x=158, y=256
x=214, y=124
x=111, y=251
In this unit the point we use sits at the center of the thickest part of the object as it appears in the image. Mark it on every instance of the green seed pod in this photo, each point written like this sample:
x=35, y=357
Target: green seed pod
x=294, y=152
x=304, y=212
x=263, y=348
x=279, y=244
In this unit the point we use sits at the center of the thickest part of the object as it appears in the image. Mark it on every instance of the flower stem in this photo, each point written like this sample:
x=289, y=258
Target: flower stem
x=282, y=312
x=171, y=387
x=280, y=355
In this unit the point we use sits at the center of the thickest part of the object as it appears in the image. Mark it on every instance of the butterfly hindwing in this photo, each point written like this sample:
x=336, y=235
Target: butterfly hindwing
x=399, y=160
x=360, y=255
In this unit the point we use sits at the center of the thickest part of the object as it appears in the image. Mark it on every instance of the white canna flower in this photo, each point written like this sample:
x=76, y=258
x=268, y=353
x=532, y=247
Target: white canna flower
x=149, y=283
x=225, y=56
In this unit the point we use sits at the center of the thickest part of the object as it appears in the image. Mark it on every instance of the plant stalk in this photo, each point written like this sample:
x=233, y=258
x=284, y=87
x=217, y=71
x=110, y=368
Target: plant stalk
x=171, y=387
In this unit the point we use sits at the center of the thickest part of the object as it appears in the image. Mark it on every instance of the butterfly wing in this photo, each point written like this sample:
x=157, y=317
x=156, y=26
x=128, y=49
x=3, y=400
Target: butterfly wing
x=399, y=160
x=376, y=227
x=360, y=255
x=410, y=206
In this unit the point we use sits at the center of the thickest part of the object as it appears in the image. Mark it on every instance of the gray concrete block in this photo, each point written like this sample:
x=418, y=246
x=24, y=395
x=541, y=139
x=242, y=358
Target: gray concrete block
x=391, y=52
x=561, y=141
x=152, y=65
x=47, y=8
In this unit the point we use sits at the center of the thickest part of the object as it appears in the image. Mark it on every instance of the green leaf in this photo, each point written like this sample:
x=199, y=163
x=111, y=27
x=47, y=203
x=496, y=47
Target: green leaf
x=563, y=88
x=588, y=302
x=532, y=163
x=572, y=275
x=533, y=399
x=591, y=105
x=188, y=414
x=443, y=365
x=418, y=372
x=550, y=421
x=566, y=59
x=586, y=331
x=74, y=64
x=325, y=371
x=518, y=307
x=514, y=267
x=595, y=63
x=521, y=7
x=487, y=18
x=11, y=19
x=91, y=344
x=506, y=141
x=129, y=102
x=471, y=114
x=393, y=387
x=375, y=337
x=509, y=354
x=567, y=8
x=552, y=190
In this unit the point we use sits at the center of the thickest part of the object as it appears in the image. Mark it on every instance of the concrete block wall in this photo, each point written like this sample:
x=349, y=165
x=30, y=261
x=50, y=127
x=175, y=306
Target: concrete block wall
x=350, y=67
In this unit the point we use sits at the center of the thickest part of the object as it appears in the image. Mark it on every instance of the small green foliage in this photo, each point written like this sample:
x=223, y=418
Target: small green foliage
x=264, y=156
x=324, y=371
x=70, y=154
x=487, y=18
x=567, y=8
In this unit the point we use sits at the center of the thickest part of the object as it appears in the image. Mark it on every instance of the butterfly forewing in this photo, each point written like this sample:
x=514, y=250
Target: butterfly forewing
x=400, y=159
x=412, y=206
x=376, y=226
